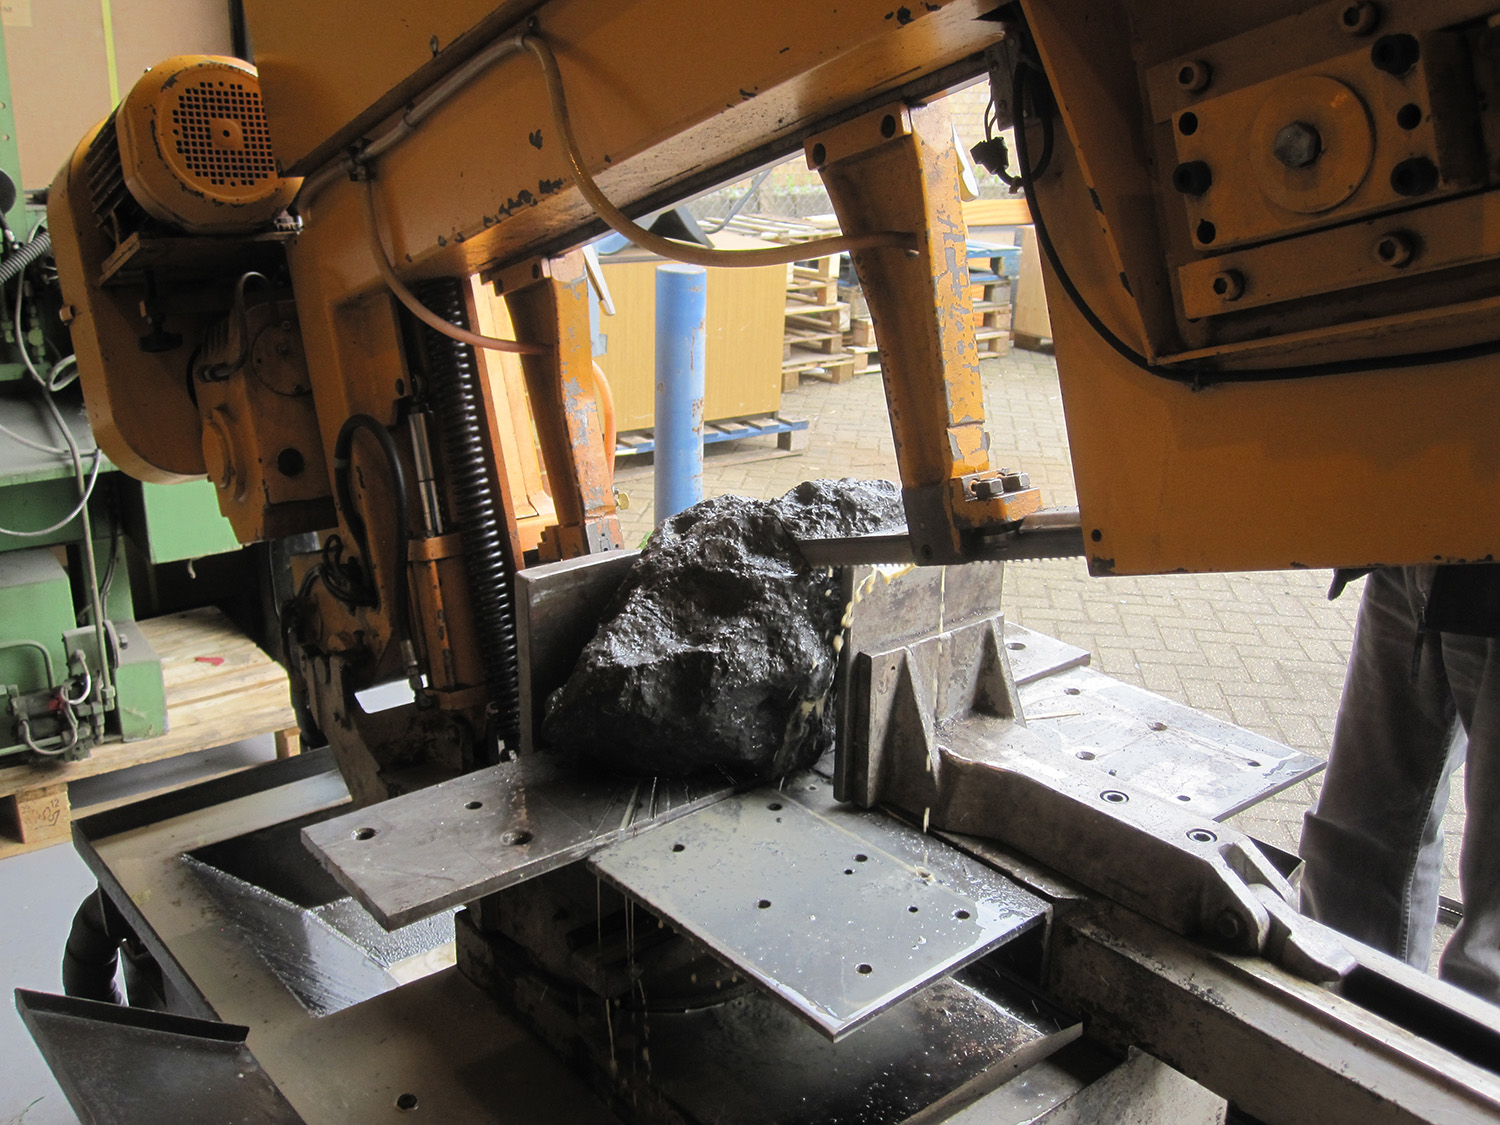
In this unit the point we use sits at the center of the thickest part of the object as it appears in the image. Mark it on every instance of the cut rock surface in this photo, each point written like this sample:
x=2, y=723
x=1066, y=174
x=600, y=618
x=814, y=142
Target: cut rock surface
x=717, y=653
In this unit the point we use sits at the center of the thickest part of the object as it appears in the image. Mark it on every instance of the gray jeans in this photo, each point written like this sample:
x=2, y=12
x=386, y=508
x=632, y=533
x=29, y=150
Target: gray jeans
x=1373, y=846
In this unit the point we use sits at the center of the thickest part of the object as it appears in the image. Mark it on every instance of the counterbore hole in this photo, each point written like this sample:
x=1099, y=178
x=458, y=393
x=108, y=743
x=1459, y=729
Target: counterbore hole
x=678, y=847
x=1015, y=646
x=1409, y=116
x=1207, y=232
x=864, y=970
x=819, y=154
x=1416, y=176
x=516, y=838
x=407, y=1101
x=1086, y=755
x=1201, y=836
x=961, y=915
x=764, y=904
x=1114, y=796
x=364, y=833
x=1187, y=124
x=774, y=806
x=474, y=805
x=1072, y=691
x=861, y=858
x=888, y=126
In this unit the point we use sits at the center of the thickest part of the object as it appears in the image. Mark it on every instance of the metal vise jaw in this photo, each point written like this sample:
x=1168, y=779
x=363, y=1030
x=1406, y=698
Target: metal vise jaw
x=931, y=726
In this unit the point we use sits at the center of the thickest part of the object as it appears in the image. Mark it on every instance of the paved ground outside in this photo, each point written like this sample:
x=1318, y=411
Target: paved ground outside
x=1264, y=650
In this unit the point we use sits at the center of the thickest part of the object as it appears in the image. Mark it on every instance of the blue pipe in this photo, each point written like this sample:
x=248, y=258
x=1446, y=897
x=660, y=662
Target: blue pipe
x=681, y=341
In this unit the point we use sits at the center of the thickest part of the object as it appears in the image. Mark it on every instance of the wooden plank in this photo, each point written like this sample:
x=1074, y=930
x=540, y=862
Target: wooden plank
x=1032, y=319
x=220, y=688
x=40, y=816
x=996, y=213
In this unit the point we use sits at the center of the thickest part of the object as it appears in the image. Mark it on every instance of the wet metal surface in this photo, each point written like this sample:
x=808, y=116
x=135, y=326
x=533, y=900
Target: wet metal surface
x=119, y=1064
x=1212, y=767
x=838, y=913
x=318, y=941
x=449, y=844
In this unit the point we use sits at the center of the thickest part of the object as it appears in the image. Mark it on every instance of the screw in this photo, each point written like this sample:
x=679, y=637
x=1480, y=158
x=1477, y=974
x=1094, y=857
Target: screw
x=1195, y=76
x=1297, y=145
x=1228, y=285
x=1360, y=18
x=1395, y=249
x=1192, y=178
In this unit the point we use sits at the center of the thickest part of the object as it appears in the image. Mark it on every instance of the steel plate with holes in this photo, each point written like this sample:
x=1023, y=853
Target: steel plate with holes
x=449, y=844
x=1215, y=768
x=826, y=920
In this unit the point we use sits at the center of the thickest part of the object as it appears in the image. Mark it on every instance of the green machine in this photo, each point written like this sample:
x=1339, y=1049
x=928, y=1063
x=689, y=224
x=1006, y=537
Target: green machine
x=75, y=670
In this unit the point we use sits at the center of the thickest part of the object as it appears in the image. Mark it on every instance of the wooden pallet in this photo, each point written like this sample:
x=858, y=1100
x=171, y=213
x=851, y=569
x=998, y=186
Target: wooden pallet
x=220, y=688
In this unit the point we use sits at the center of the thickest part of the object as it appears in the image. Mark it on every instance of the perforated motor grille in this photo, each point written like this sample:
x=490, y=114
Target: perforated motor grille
x=208, y=150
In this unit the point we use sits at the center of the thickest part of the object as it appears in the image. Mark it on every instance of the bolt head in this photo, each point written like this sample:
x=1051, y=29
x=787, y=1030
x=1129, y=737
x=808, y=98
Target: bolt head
x=1297, y=145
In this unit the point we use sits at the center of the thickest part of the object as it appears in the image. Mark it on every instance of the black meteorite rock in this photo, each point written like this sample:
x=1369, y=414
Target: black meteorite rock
x=717, y=653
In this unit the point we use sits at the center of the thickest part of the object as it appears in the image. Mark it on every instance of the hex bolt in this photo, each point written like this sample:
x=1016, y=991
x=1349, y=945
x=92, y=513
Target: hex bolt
x=1228, y=285
x=1229, y=925
x=1360, y=18
x=1195, y=76
x=1395, y=249
x=1192, y=178
x=1297, y=145
x=1015, y=482
x=1395, y=54
x=990, y=488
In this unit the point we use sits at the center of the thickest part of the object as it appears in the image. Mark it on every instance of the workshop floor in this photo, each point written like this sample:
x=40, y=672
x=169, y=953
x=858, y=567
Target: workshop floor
x=1265, y=650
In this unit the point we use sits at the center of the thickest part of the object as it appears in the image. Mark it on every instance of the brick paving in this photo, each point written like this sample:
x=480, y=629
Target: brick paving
x=1264, y=650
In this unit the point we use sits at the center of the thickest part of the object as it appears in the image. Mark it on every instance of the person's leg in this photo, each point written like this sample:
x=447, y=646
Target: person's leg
x=1373, y=846
x=1472, y=958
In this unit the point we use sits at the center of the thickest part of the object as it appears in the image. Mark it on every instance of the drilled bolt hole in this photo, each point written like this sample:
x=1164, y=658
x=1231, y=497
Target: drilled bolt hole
x=1183, y=797
x=911, y=909
x=774, y=806
x=474, y=804
x=888, y=126
x=1072, y=691
x=1015, y=646
x=1085, y=755
x=1187, y=124
x=764, y=904
x=407, y=1102
x=364, y=833
x=961, y=915
x=678, y=847
x=864, y=970
x=1409, y=116
x=861, y=858
x=515, y=839
x=848, y=871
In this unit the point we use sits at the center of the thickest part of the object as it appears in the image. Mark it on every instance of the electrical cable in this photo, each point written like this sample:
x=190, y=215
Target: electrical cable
x=418, y=309
x=53, y=384
x=91, y=565
x=13, y=263
x=622, y=225
x=71, y=516
x=220, y=372
x=1199, y=376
